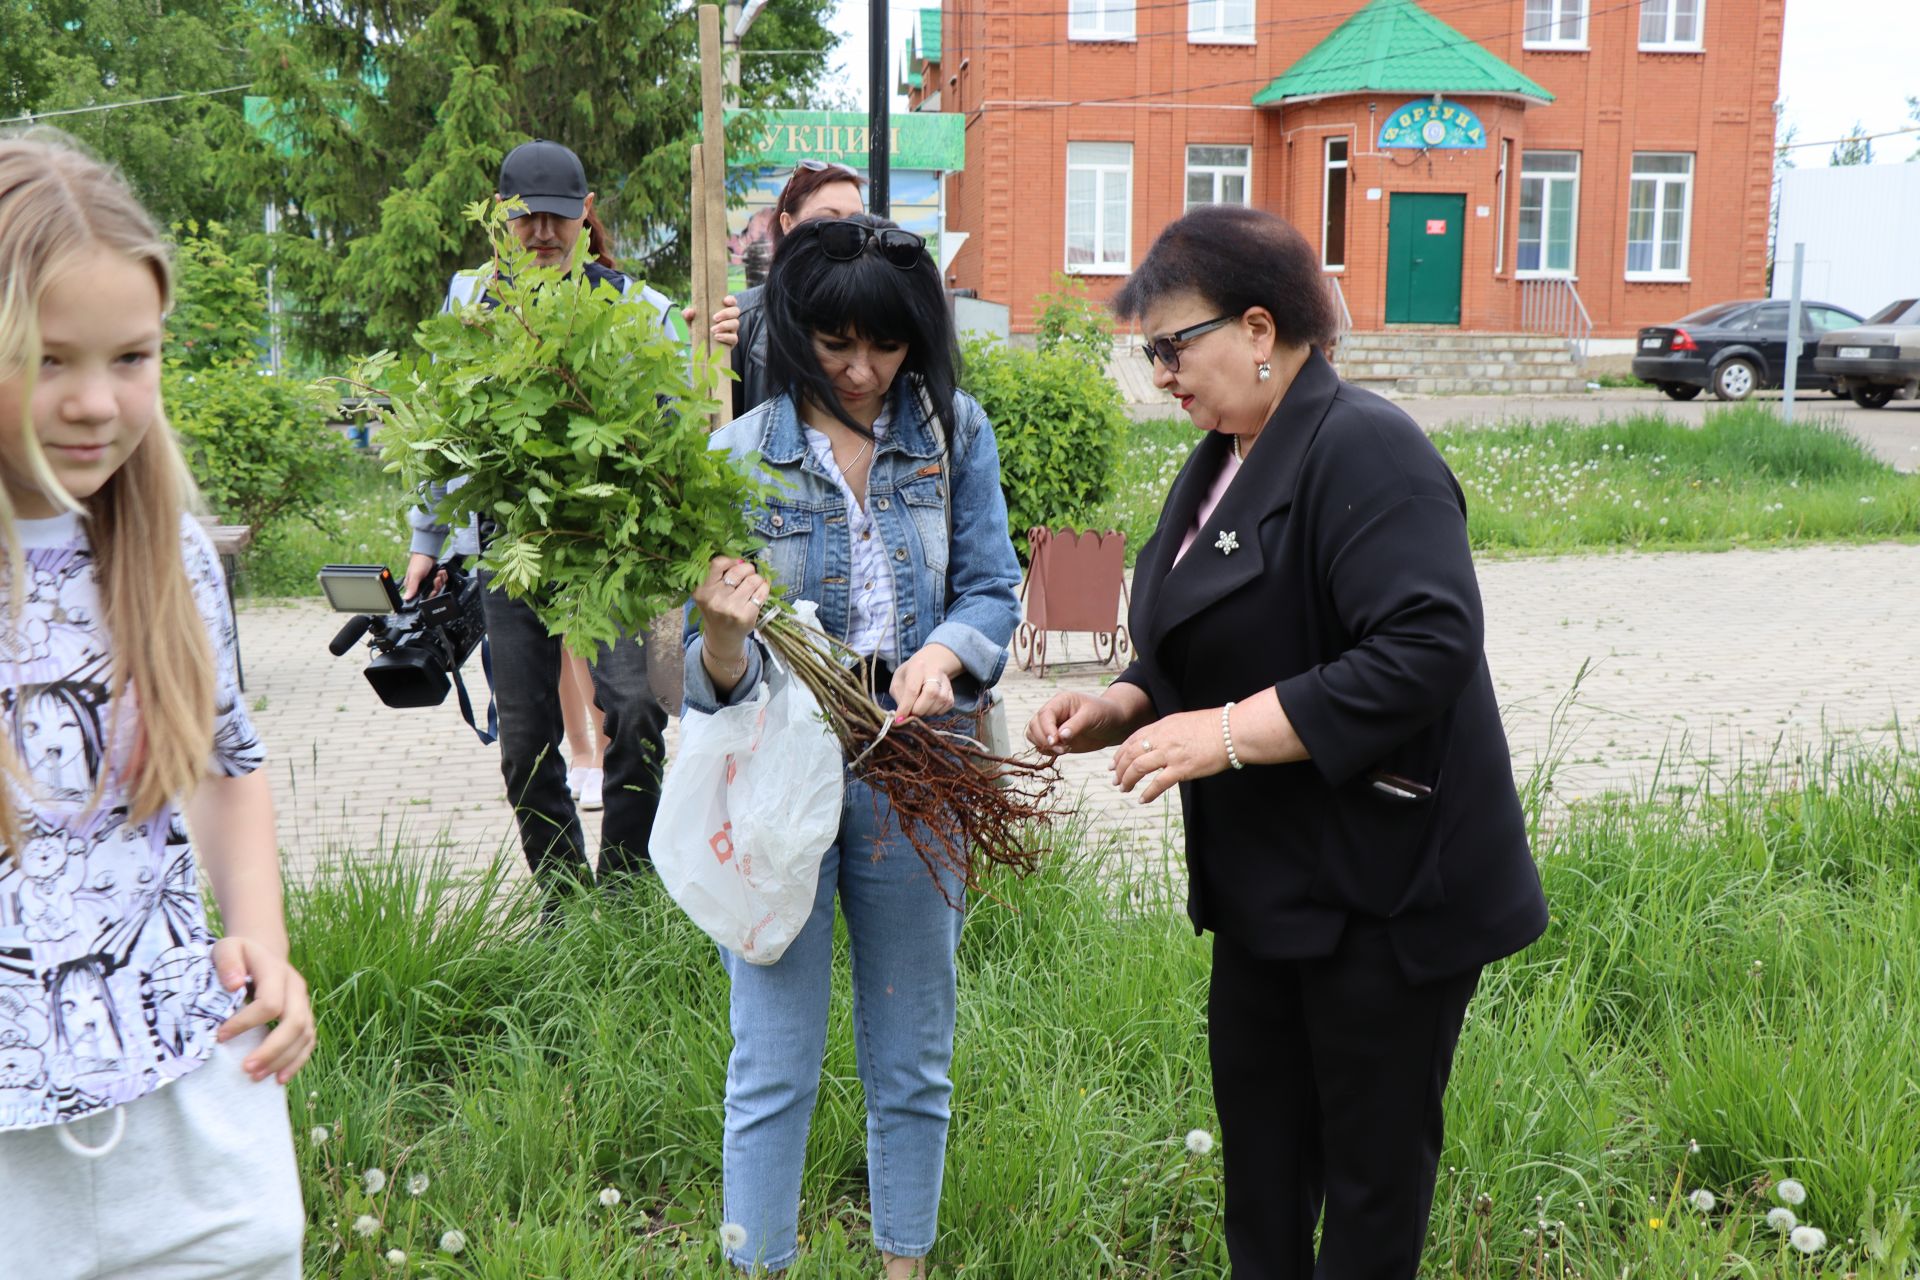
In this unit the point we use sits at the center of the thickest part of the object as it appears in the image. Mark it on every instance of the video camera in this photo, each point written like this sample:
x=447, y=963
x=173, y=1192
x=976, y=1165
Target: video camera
x=418, y=645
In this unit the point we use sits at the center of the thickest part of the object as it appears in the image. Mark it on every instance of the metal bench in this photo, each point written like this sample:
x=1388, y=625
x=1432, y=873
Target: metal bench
x=229, y=540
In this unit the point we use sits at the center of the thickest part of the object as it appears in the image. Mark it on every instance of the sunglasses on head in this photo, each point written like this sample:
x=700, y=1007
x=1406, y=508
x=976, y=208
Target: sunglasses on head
x=843, y=240
x=1167, y=350
x=826, y=166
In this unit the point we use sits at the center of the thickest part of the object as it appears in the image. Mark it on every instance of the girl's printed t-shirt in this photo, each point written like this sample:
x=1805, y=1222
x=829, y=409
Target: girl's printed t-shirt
x=107, y=986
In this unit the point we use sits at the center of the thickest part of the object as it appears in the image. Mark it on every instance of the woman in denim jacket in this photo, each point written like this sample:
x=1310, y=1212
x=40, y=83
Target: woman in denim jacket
x=888, y=512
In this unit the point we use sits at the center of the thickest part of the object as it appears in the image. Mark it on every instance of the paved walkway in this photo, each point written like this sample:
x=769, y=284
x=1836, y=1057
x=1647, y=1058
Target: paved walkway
x=1688, y=655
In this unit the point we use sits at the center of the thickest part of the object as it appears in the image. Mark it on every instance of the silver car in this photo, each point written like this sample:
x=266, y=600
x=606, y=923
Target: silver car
x=1879, y=360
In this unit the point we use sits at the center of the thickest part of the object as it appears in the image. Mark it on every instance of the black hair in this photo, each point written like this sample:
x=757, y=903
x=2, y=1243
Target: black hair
x=868, y=297
x=1237, y=259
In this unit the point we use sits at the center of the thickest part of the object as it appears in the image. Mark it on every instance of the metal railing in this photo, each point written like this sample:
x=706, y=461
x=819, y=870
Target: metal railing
x=1553, y=305
x=1345, y=317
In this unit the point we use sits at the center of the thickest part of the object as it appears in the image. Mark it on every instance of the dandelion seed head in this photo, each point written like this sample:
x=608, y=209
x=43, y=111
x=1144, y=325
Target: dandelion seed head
x=1791, y=1191
x=1693, y=1147
x=610, y=1196
x=1702, y=1200
x=374, y=1180
x=319, y=1135
x=396, y=1257
x=365, y=1225
x=1781, y=1219
x=453, y=1242
x=417, y=1184
x=1199, y=1141
x=1808, y=1239
x=733, y=1237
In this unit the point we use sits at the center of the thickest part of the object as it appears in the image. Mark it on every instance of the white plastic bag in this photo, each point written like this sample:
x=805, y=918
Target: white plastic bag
x=750, y=805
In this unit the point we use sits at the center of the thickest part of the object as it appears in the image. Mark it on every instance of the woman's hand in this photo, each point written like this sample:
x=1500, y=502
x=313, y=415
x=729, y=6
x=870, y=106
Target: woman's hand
x=923, y=684
x=279, y=995
x=1077, y=721
x=726, y=321
x=419, y=565
x=729, y=602
x=1176, y=748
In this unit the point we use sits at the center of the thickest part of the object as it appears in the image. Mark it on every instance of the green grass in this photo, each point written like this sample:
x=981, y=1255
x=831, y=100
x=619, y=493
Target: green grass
x=1645, y=482
x=363, y=522
x=1738, y=969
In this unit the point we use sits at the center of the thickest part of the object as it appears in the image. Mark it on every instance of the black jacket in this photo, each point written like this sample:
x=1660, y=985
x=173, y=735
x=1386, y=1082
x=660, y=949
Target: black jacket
x=750, y=353
x=1352, y=593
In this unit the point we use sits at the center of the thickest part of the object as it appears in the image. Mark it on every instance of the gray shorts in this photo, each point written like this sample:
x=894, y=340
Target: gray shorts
x=201, y=1184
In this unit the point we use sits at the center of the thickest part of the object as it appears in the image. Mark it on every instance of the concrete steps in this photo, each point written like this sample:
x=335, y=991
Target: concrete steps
x=1447, y=361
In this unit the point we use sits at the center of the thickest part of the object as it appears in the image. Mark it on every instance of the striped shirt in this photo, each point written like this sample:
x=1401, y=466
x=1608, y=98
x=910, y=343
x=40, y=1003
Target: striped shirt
x=870, y=629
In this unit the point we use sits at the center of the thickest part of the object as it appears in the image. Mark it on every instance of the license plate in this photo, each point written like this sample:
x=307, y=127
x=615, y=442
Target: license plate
x=1855, y=353
x=1653, y=343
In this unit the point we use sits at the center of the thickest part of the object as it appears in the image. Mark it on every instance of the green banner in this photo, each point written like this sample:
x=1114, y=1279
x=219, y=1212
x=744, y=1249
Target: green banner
x=919, y=140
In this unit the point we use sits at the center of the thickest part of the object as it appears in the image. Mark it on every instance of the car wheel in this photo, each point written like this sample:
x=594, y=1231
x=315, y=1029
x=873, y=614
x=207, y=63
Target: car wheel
x=1736, y=379
x=1870, y=397
x=1680, y=391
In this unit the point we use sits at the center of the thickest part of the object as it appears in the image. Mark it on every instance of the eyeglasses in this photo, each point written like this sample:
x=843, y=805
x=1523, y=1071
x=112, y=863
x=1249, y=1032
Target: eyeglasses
x=843, y=240
x=1167, y=350
x=825, y=166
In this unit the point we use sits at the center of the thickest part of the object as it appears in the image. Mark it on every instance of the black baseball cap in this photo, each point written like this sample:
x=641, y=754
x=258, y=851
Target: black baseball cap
x=546, y=177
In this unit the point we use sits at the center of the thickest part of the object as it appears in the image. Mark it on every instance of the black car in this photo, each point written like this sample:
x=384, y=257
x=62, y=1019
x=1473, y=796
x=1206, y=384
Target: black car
x=1736, y=348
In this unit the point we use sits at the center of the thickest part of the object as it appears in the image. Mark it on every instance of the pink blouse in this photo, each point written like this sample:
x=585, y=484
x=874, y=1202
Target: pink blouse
x=1228, y=470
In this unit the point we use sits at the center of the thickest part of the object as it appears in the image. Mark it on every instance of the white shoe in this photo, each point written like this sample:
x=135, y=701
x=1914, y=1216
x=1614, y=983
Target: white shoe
x=591, y=784
x=576, y=776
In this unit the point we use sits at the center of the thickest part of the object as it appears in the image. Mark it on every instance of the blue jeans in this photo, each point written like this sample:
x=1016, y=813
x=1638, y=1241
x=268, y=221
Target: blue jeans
x=903, y=936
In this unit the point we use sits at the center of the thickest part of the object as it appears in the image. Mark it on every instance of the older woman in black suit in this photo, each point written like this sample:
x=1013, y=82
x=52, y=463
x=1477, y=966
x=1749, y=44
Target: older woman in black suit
x=1312, y=676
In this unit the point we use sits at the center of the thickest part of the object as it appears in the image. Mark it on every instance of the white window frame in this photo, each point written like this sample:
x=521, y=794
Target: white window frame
x=1101, y=173
x=1671, y=8
x=1572, y=270
x=1100, y=20
x=1664, y=186
x=1218, y=171
x=1220, y=32
x=1558, y=11
x=1328, y=166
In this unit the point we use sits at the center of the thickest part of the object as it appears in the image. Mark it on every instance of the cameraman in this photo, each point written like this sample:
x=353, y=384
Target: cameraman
x=550, y=180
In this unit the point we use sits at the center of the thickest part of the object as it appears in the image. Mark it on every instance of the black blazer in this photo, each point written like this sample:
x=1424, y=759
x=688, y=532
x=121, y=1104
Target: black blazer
x=1352, y=593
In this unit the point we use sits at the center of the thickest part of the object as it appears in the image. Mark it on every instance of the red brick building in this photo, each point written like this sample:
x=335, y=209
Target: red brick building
x=1476, y=163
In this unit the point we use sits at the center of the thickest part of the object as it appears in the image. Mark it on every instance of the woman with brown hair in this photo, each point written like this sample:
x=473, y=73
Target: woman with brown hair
x=1312, y=675
x=817, y=189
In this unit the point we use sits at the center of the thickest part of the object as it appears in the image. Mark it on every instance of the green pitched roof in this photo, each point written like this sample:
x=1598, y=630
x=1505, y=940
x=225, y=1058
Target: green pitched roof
x=930, y=35
x=1395, y=46
x=909, y=67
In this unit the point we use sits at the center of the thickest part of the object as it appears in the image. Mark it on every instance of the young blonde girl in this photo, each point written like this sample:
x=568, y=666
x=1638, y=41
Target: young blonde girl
x=143, y=1119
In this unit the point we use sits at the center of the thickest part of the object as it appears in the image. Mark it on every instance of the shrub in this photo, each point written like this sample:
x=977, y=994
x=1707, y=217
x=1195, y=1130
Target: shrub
x=1074, y=324
x=258, y=443
x=1059, y=427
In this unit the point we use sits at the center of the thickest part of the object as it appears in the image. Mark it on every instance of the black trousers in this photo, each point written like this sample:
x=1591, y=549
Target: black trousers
x=526, y=685
x=1328, y=1075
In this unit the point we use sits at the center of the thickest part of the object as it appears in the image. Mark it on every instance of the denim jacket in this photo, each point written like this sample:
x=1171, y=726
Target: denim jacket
x=961, y=591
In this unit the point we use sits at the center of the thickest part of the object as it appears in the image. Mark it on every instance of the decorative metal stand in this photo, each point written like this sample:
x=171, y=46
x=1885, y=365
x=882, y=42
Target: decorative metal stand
x=1075, y=582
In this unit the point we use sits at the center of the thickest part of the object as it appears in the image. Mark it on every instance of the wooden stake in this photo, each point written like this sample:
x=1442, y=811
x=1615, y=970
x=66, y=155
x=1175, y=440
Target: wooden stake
x=713, y=186
x=702, y=344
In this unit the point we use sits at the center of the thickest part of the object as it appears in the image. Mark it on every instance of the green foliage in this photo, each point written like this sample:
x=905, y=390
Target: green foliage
x=258, y=444
x=1737, y=968
x=582, y=438
x=60, y=54
x=1060, y=429
x=383, y=122
x=1072, y=323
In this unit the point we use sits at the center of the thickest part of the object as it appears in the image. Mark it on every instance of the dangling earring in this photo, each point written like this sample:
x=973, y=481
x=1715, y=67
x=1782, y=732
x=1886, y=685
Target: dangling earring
x=1266, y=371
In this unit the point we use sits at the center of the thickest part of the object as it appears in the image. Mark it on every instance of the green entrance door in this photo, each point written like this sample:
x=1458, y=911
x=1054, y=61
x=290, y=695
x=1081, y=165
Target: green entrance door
x=1424, y=238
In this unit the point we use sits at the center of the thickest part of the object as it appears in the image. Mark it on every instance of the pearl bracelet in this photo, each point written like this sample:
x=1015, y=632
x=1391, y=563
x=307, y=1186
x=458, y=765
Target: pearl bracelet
x=1226, y=735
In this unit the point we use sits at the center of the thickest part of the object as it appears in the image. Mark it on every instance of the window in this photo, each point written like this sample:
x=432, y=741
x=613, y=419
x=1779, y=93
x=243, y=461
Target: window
x=1333, y=208
x=1218, y=175
x=1099, y=192
x=1671, y=24
x=1100, y=19
x=1824, y=320
x=1659, y=213
x=1222, y=21
x=1560, y=24
x=1549, y=212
